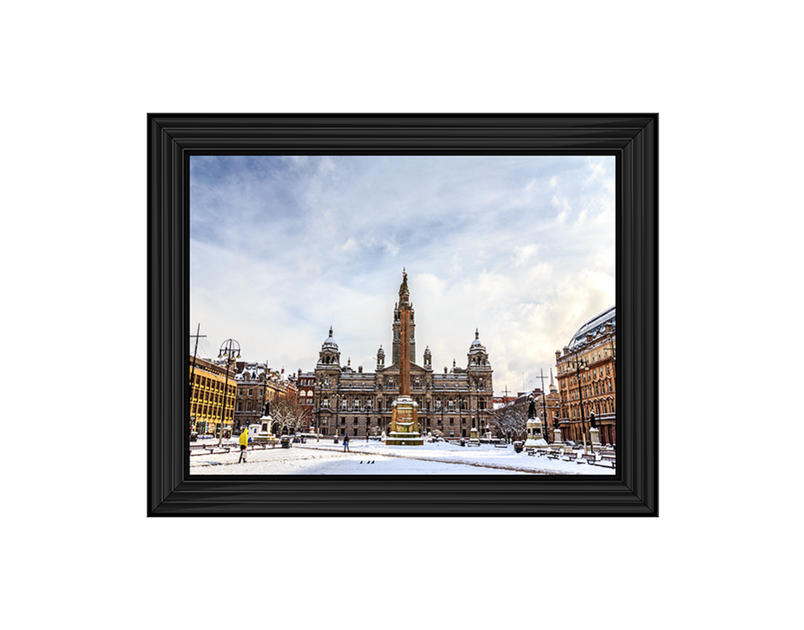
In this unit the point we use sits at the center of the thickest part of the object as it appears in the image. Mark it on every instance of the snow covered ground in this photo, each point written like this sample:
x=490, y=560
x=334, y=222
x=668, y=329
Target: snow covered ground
x=375, y=458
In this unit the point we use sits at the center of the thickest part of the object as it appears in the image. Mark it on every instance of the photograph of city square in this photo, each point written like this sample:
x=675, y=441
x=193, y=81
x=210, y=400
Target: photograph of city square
x=376, y=315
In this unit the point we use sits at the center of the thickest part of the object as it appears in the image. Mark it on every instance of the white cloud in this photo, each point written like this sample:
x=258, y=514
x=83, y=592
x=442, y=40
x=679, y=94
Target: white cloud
x=524, y=253
x=282, y=249
x=349, y=246
x=564, y=211
x=391, y=248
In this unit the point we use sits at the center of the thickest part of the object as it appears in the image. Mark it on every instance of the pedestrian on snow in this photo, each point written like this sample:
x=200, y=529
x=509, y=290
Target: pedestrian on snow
x=346, y=443
x=243, y=444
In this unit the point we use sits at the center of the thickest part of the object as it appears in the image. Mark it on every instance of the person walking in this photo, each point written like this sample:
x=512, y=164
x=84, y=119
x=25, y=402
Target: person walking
x=346, y=443
x=243, y=444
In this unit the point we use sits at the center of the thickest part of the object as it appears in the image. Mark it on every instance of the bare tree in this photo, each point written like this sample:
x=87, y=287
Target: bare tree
x=288, y=413
x=512, y=419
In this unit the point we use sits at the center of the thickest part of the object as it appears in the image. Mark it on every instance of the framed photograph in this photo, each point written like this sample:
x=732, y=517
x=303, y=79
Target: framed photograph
x=402, y=315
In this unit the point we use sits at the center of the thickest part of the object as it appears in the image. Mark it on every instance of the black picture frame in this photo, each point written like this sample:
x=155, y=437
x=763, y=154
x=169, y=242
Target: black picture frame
x=631, y=138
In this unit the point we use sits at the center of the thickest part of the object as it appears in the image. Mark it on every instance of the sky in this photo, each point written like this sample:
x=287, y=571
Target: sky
x=520, y=248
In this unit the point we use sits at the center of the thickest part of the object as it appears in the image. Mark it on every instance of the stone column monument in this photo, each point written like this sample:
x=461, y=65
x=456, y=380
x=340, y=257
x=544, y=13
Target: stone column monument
x=404, y=416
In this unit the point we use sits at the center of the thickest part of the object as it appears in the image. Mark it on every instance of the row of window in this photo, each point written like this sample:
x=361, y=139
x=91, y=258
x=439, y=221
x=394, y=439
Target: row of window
x=592, y=390
x=204, y=382
x=210, y=397
x=599, y=407
x=355, y=421
x=391, y=383
x=481, y=404
x=208, y=410
x=596, y=373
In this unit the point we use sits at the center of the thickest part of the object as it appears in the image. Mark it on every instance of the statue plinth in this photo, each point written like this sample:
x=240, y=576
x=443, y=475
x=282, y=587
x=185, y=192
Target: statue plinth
x=264, y=434
x=594, y=437
x=535, y=436
x=557, y=438
x=404, y=423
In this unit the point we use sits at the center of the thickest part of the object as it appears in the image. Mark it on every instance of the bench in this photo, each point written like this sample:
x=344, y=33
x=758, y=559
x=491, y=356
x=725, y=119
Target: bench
x=587, y=458
x=554, y=454
x=608, y=460
x=502, y=446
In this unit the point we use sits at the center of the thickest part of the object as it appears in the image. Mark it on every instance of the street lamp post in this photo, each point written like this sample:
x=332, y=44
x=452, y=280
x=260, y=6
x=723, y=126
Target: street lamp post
x=230, y=350
x=197, y=335
x=264, y=386
x=577, y=364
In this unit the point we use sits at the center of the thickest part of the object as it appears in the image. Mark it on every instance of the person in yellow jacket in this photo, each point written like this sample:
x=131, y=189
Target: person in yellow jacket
x=243, y=444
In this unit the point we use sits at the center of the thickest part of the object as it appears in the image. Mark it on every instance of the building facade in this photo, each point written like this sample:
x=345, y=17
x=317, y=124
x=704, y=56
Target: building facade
x=256, y=385
x=587, y=382
x=213, y=391
x=359, y=403
x=305, y=382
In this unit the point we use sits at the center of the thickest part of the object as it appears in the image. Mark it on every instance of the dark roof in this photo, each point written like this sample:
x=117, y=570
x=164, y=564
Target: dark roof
x=594, y=325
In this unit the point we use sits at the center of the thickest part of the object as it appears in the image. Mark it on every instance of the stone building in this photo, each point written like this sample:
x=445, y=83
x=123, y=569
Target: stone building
x=212, y=395
x=256, y=384
x=305, y=382
x=360, y=403
x=587, y=381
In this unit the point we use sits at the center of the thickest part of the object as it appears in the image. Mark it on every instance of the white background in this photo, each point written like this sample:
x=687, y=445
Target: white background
x=77, y=83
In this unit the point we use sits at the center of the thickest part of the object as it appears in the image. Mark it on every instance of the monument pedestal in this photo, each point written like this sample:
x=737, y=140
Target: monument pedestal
x=404, y=423
x=535, y=436
x=594, y=436
x=558, y=440
x=264, y=433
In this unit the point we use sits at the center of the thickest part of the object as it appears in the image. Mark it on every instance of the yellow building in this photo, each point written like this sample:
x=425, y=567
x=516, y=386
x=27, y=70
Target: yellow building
x=212, y=388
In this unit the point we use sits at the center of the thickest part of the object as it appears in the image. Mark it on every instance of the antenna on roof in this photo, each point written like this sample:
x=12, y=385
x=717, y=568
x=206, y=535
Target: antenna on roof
x=195, y=352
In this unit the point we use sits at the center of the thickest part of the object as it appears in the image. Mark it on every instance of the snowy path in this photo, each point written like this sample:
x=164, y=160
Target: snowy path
x=375, y=458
